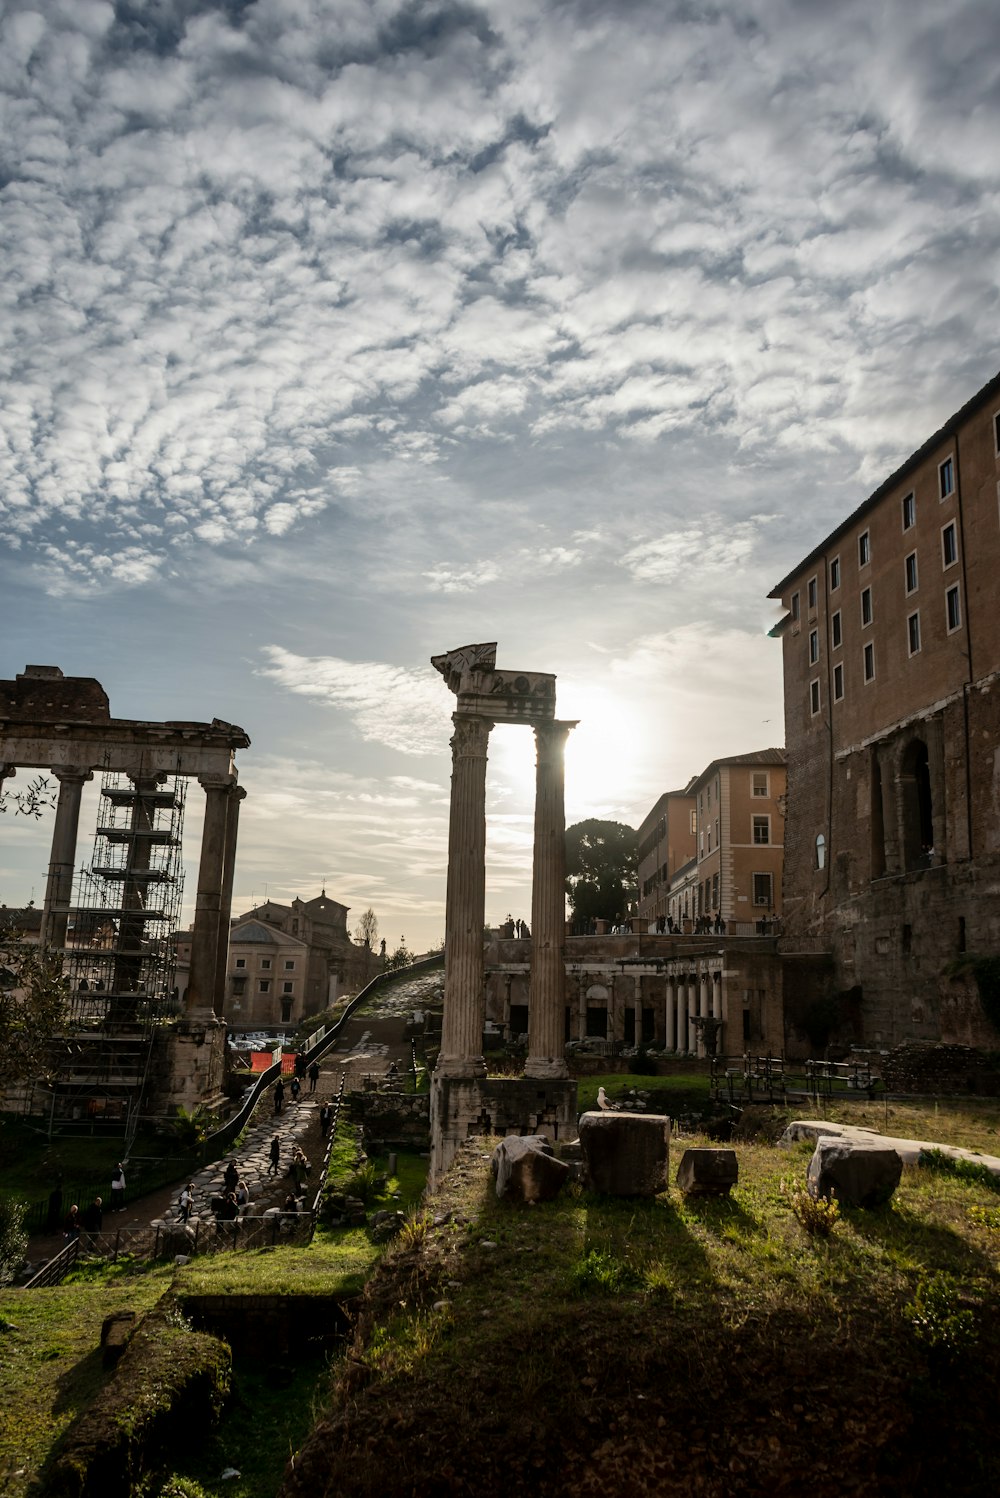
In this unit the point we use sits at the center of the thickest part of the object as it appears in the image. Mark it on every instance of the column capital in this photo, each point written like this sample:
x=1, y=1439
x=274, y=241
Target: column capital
x=216, y=783
x=70, y=773
x=554, y=733
x=471, y=737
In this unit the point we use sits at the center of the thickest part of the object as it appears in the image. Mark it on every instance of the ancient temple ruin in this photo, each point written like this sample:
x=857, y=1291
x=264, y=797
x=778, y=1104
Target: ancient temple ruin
x=464, y=1101
x=116, y=1051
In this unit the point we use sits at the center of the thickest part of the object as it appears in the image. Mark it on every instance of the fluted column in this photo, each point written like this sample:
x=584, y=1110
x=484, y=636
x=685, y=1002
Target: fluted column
x=670, y=1037
x=716, y=995
x=692, y=1010
x=581, y=1008
x=236, y=795
x=637, y=980
x=703, y=1008
x=461, y=1053
x=546, y=997
x=62, y=856
x=208, y=902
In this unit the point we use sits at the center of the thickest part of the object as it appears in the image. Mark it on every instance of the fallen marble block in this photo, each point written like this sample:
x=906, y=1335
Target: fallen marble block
x=526, y=1170
x=626, y=1154
x=707, y=1172
x=856, y=1173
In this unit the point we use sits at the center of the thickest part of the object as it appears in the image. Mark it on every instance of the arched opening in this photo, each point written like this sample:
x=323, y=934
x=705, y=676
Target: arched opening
x=917, y=806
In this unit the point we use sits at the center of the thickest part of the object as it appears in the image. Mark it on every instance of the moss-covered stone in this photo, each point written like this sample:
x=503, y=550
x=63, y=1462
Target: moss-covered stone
x=168, y=1389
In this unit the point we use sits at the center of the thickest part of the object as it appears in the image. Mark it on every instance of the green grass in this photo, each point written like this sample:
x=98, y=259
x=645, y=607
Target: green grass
x=683, y=1091
x=50, y=1366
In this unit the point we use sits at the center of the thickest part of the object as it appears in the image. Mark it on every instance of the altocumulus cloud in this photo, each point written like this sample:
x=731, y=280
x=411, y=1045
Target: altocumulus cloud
x=252, y=250
x=388, y=705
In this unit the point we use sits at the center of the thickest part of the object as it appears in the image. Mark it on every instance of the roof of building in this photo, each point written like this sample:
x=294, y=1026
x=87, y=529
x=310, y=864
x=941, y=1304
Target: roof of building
x=951, y=426
x=754, y=757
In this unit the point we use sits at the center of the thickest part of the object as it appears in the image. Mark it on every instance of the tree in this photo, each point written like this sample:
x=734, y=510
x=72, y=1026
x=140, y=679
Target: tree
x=32, y=1006
x=366, y=931
x=601, y=862
x=402, y=957
x=31, y=802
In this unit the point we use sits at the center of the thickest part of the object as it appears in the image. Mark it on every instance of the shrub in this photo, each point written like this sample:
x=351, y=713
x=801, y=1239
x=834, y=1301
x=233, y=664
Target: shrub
x=937, y=1317
x=13, y=1238
x=600, y=1270
x=414, y=1231
x=365, y=1183
x=818, y=1215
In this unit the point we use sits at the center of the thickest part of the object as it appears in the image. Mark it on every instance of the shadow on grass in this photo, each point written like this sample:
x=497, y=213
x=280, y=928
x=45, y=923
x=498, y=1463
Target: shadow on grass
x=897, y=1229
x=78, y=1385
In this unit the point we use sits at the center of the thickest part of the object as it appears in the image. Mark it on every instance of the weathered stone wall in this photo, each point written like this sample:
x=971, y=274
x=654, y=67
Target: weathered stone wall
x=941, y=1068
x=188, y=1066
x=392, y=1118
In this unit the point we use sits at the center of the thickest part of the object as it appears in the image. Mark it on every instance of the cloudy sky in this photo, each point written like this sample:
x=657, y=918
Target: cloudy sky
x=338, y=333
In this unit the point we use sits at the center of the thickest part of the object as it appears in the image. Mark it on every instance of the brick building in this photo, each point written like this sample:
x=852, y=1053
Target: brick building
x=891, y=653
x=740, y=804
x=666, y=840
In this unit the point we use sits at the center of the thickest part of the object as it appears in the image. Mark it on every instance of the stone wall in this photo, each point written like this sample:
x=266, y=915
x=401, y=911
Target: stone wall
x=926, y=1068
x=398, y=1119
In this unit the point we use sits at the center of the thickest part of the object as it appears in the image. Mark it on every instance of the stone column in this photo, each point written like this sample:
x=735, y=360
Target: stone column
x=716, y=995
x=692, y=1010
x=703, y=1009
x=62, y=857
x=670, y=1038
x=581, y=1007
x=637, y=980
x=236, y=795
x=461, y=1053
x=546, y=996
x=208, y=902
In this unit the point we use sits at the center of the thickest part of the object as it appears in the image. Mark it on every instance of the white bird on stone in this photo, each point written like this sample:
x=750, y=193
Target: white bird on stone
x=602, y=1098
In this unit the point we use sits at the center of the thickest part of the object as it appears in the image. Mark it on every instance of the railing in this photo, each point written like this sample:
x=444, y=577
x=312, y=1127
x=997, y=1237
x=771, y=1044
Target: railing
x=57, y=1268
x=747, y=1077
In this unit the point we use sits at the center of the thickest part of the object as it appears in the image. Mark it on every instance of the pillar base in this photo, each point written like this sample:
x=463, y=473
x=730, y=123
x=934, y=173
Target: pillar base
x=460, y=1067
x=547, y=1068
x=468, y=1107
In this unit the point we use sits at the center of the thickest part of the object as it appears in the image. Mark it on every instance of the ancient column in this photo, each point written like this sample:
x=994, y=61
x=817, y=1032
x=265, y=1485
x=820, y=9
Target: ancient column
x=703, y=1009
x=461, y=1053
x=716, y=995
x=208, y=902
x=670, y=1038
x=581, y=1008
x=692, y=1010
x=637, y=980
x=62, y=857
x=236, y=795
x=546, y=996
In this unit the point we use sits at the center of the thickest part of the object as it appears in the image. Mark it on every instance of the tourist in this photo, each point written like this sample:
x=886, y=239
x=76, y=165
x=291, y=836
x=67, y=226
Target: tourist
x=295, y=1087
x=118, y=1188
x=272, y=1169
x=300, y=1065
x=325, y=1118
x=227, y=1210
x=242, y=1195
x=72, y=1225
x=291, y=1203
x=187, y=1201
x=231, y=1176
x=313, y=1076
x=279, y=1095
x=94, y=1217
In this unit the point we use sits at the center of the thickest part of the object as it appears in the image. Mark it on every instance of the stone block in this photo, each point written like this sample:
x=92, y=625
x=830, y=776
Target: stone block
x=857, y=1174
x=115, y=1333
x=626, y=1154
x=526, y=1170
x=707, y=1172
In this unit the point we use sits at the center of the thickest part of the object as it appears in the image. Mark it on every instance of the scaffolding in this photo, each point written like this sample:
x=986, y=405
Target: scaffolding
x=119, y=957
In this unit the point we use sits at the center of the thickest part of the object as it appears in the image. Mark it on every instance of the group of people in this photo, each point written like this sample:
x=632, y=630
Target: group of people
x=299, y=1074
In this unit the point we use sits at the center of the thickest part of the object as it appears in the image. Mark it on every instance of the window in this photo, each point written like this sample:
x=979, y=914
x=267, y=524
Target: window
x=795, y=606
x=913, y=633
x=763, y=885
x=911, y=572
x=290, y=965
x=241, y=962
x=946, y=478
x=820, y=851
x=949, y=545
x=715, y=890
x=866, y=607
x=762, y=829
x=288, y=988
x=953, y=609
x=869, y=658
x=834, y=574
x=836, y=632
x=813, y=646
x=264, y=986
x=286, y=1011
x=838, y=683
x=909, y=511
x=996, y=434
x=265, y=962
x=864, y=549
x=760, y=782
x=811, y=594
x=239, y=987
x=814, y=697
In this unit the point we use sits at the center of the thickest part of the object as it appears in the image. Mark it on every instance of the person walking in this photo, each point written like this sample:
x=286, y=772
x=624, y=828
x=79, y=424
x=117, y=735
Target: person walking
x=279, y=1095
x=72, y=1224
x=187, y=1201
x=231, y=1176
x=275, y=1156
x=118, y=1188
x=313, y=1076
x=295, y=1087
x=325, y=1117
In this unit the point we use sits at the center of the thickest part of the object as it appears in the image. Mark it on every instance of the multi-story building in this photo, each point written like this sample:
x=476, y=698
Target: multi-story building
x=288, y=961
x=740, y=814
x=666, y=841
x=891, y=651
